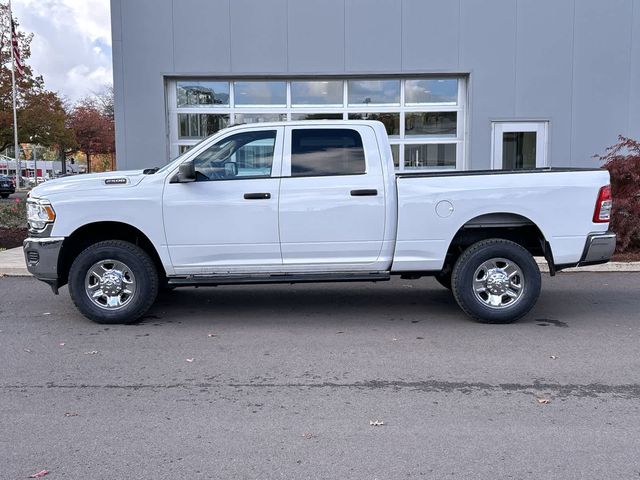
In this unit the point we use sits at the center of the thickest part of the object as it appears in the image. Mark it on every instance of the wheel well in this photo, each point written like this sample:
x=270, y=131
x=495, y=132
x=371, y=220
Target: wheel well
x=96, y=232
x=508, y=226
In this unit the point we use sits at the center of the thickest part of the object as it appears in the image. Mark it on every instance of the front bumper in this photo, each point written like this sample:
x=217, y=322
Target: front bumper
x=41, y=256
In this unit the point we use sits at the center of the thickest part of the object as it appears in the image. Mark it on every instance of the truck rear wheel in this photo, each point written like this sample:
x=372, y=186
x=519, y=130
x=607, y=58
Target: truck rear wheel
x=113, y=282
x=496, y=281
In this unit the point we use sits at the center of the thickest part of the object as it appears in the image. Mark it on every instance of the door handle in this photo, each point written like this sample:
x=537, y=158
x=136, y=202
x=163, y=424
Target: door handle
x=257, y=196
x=367, y=192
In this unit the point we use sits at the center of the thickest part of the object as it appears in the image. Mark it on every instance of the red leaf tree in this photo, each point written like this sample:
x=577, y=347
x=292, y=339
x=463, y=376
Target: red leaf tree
x=623, y=162
x=93, y=127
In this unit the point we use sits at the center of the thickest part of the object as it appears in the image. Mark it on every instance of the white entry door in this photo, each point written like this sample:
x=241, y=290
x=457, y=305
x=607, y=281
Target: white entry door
x=519, y=145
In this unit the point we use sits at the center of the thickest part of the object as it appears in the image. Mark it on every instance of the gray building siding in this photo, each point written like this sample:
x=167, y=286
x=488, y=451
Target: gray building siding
x=574, y=63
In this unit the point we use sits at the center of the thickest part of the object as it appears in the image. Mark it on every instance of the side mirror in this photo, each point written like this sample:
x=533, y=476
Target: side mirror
x=186, y=172
x=230, y=169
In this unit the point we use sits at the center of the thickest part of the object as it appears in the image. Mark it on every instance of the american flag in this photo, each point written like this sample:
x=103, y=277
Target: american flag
x=16, y=51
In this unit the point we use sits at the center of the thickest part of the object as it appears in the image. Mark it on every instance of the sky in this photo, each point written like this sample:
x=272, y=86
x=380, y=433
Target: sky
x=71, y=47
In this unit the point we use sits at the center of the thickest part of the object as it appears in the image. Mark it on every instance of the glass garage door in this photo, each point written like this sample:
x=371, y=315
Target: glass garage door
x=424, y=116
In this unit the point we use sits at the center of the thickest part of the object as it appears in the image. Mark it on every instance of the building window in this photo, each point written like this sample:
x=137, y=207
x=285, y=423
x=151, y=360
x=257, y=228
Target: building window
x=391, y=120
x=422, y=92
x=424, y=116
x=260, y=93
x=200, y=125
x=374, y=92
x=196, y=93
x=321, y=92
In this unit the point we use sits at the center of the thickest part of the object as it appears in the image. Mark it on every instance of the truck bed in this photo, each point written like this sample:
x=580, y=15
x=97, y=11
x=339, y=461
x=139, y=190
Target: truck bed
x=434, y=206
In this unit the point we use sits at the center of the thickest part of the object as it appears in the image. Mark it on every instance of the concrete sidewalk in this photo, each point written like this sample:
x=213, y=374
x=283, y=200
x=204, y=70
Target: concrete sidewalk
x=12, y=264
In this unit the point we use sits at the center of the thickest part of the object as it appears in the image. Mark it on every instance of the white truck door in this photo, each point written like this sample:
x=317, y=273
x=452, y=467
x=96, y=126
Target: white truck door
x=227, y=220
x=332, y=198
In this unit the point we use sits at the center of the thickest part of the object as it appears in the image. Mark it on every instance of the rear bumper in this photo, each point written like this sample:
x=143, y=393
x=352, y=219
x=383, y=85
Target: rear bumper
x=41, y=256
x=598, y=248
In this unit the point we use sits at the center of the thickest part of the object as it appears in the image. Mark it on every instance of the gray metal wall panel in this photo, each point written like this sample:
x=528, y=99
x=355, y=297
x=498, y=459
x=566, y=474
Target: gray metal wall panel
x=430, y=35
x=373, y=36
x=116, y=15
x=633, y=129
x=316, y=36
x=118, y=81
x=201, y=36
x=524, y=59
x=259, y=36
x=543, y=70
x=600, y=76
x=487, y=50
x=147, y=52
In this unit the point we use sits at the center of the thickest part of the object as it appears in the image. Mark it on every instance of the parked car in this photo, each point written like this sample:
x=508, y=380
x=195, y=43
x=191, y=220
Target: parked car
x=7, y=187
x=312, y=202
x=32, y=180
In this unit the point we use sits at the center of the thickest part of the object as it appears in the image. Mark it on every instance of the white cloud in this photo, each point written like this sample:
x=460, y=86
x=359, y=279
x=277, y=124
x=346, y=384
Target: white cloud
x=71, y=47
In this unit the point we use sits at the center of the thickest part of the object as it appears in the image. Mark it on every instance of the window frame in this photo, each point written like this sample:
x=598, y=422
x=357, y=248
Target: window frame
x=344, y=110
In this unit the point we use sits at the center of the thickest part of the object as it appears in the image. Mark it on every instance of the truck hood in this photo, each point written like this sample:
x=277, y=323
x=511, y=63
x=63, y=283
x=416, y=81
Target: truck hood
x=91, y=181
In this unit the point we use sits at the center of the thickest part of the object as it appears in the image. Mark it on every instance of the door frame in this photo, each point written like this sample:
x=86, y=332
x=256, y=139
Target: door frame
x=541, y=127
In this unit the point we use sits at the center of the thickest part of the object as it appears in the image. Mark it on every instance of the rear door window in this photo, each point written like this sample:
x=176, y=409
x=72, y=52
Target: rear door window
x=319, y=152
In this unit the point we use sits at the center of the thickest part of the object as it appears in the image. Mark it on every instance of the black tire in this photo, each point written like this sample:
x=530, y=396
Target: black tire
x=4, y=195
x=140, y=265
x=472, y=260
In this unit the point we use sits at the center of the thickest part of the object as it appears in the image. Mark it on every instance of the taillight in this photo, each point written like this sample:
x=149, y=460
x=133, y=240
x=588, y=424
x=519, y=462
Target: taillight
x=602, y=213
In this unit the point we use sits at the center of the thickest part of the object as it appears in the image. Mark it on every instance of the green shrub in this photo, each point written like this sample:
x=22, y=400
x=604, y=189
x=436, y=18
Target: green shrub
x=13, y=214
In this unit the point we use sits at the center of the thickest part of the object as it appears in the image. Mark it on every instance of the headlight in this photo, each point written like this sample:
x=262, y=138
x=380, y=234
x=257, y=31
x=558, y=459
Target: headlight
x=39, y=213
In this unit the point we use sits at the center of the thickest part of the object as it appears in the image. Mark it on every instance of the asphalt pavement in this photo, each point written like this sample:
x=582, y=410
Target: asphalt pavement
x=266, y=382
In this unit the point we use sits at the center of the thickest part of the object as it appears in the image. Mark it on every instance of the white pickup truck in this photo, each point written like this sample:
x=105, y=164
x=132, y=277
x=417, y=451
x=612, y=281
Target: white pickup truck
x=312, y=202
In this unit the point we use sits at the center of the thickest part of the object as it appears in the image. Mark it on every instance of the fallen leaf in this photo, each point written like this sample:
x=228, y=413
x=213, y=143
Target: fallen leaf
x=47, y=313
x=27, y=350
x=40, y=474
x=71, y=414
x=543, y=401
x=308, y=435
x=212, y=335
x=92, y=352
x=62, y=344
x=394, y=339
x=553, y=357
x=190, y=360
x=376, y=423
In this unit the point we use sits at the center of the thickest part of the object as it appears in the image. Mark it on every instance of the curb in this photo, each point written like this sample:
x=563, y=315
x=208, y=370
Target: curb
x=611, y=267
x=14, y=272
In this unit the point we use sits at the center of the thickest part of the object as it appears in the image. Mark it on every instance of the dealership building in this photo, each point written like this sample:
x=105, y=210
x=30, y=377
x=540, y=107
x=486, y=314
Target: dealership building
x=458, y=84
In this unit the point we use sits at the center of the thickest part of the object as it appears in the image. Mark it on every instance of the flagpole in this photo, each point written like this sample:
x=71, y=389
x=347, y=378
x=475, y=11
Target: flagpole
x=15, y=116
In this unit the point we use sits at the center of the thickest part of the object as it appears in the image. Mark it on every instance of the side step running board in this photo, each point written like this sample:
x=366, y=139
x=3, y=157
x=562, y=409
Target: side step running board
x=244, y=279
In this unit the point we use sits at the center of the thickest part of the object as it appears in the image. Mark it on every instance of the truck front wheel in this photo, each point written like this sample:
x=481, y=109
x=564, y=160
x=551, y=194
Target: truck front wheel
x=113, y=282
x=496, y=281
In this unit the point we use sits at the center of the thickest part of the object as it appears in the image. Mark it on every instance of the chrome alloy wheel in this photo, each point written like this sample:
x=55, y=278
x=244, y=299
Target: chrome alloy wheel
x=110, y=284
x=498, y=283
